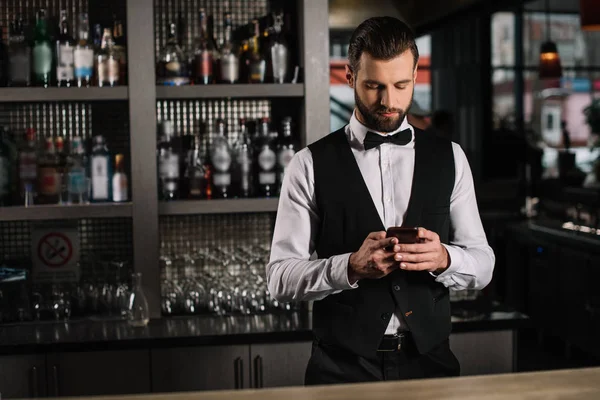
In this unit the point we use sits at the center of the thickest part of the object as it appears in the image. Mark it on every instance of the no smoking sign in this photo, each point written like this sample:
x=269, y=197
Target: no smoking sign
x=55, y=251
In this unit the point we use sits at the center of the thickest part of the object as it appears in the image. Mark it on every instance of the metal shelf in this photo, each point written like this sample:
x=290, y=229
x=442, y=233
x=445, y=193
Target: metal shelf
x=188, y=207
x=231, y=91
x=50, y=212
x=34, y=94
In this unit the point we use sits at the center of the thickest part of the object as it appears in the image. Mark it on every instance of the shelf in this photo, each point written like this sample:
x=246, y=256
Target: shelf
x=231, y=91
x=50, y=212
x=187, y=207
x=34, y=94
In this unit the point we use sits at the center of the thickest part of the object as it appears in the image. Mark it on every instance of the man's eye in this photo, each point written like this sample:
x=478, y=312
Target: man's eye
x=401, y=87
x=374, y=87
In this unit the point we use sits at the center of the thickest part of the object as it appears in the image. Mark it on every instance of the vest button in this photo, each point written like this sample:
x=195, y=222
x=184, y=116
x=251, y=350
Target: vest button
x=396, y=288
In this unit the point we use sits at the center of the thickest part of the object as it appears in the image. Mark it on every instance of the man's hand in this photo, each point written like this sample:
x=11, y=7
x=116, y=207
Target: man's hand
x=427, y=256
x=374, y=259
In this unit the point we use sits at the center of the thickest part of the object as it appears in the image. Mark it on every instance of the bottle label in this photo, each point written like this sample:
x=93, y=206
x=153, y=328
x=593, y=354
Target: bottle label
x=120, y=187
x=204, y=64
x=48, y=181
x=267, y=159
x=169, y=166
x=266, y=178
x=222, y=179
x=84, y=62
x=100, y=178
x=221, y=159
x=27, y=166
x=20, y=67
x=65, y=69
x=230, y=68
x=42, y=59
x=77, y=182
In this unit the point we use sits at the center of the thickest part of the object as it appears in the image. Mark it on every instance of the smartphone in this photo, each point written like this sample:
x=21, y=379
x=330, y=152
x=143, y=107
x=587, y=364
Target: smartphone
x=404, y=235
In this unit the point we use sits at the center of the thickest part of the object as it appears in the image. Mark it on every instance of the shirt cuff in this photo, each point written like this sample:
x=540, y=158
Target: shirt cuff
x=339, y=272
x=456, y=260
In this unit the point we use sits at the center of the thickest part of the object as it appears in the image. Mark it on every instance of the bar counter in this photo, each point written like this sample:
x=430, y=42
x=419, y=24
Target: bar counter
x=581, y=384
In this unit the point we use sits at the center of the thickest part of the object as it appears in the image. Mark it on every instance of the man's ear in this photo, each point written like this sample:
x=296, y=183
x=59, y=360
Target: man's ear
x=350, y=77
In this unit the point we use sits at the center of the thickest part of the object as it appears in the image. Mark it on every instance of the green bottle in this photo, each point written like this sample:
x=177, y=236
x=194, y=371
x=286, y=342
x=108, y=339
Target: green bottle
x=42, y=52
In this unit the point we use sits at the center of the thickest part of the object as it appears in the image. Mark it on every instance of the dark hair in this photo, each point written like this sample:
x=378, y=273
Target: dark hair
x=383, y=38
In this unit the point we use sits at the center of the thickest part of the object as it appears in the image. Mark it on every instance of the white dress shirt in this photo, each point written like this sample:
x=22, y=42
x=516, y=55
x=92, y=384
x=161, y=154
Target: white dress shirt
x=295, y=273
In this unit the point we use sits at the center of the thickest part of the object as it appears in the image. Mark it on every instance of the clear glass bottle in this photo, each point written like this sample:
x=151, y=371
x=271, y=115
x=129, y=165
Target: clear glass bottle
x=286, y=149
x=47, y=174
x=100, y=171
x=107, y=61
x=229, y=61
x=27, y=163
x=220, y=156
x=65, y=68
x=194, y=170
x=120, y=48
x=138, y=314
x=77, y=176
x=83, y=54
x=42, y=52
x=243, y=167
x=19, y=56
x=203, y=53
x=266, y=161
x=119, y=180
x=172, y=65
x=168, y=163
x=257, y=63
x=278, y=51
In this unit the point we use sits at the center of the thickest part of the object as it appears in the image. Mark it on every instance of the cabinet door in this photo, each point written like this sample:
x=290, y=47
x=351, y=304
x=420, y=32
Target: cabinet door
x=200, y=368
x=99, y=373
x=543, y=299
x=280, y=364
x=573, y=297
x=22, y=376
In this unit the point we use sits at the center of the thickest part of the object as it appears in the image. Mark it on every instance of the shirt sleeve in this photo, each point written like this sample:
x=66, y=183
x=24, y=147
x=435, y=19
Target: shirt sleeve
x=294, y=273
x=471, y=258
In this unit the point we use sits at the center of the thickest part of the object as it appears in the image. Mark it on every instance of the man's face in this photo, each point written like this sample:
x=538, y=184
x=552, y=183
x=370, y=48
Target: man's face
x=383, y=90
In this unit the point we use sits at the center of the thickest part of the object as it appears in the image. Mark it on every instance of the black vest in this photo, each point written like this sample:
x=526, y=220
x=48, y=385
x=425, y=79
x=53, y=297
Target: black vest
x=356, y=319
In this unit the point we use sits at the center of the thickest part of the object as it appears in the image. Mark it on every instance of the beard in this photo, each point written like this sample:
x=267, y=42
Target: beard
x=374, y=118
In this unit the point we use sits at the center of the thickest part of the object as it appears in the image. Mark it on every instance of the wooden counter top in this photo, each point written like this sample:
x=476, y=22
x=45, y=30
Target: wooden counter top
x=580, y=384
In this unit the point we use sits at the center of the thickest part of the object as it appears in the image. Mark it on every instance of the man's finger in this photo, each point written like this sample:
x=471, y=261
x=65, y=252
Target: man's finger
x=383, y=243
x=376, y=235
x=415, y=257
x=427, y=235
x=415, y=248
x=422, y=266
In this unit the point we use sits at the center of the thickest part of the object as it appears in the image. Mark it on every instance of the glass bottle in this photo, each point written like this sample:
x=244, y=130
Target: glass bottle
x=278, y=51
x=203, y=53
x=77, y=175
x=220, y=156
x=229, y=62
x=138, y=314
x=168, y=163
x=257, y=63
x=47, y=173
x=83, y=54
x=286, y=149
x=172, y=64
x=5, y=168
x=28, y=163
x=19, y=56
x=3, y=63
x=107, y=61
x=243, y=155
x=120, y=49
x=194, y=171
x=65, y=68
x=119, y=180
x=42, y=52
x=100, y=171
x=266, y=161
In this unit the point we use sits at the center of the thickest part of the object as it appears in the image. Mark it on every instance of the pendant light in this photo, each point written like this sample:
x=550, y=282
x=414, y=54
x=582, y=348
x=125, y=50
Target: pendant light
x=549, y=67
x=589, y=15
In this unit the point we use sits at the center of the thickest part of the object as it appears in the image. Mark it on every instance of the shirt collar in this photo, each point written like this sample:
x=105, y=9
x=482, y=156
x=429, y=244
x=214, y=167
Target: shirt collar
x=358, y=131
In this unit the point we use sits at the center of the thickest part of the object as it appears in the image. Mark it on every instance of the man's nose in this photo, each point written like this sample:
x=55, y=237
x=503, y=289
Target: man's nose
x=386, y=99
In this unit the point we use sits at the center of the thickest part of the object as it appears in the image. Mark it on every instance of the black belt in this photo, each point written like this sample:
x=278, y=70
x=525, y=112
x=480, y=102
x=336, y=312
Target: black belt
x=397, y=342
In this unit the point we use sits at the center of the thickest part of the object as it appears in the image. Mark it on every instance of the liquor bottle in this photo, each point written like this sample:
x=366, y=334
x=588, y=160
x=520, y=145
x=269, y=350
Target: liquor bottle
x=27, y=164
x=257, y=63
x=220, y=155
x=228, y=61
x=42, y=52
x=194, y=170
x=119, y=181
x=47, y=173
x=203, y=53
x=266, y=161
x=172, y=64
x=121, y=49
x=19, y=70
x=107, y=62
x=286, y=149
x=243, y=169
x=65, y=68
x=3, y=63
x=83, y=54
x=168, y=163
x=77, y=175
x=5, y=169
x=244, y=61
x=278, y=51
x=100, y=171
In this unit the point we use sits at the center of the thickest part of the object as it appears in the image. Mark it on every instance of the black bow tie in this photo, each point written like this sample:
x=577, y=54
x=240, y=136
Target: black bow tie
x=401, y=138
